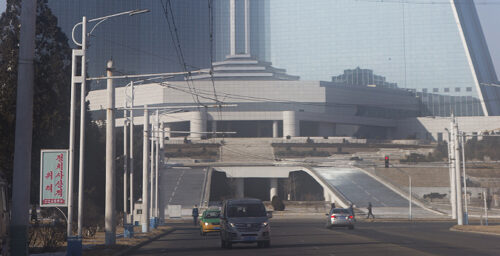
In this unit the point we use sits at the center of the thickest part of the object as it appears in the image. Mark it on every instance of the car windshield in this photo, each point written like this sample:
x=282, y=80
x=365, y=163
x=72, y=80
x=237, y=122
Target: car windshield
x=212, y=215
x=246, y=210
x=341, y=211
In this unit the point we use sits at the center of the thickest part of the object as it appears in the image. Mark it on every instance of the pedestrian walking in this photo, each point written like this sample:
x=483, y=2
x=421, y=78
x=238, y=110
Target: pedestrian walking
x=370, y=211
x=195, y=214
x=332, y=206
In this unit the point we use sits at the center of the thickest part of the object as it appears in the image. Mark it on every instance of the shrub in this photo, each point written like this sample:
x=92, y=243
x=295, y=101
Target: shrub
x=277, y=203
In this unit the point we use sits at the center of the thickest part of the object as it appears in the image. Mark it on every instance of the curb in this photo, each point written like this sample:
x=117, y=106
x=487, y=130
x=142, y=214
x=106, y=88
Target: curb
x=141, y=244
x=474, y=232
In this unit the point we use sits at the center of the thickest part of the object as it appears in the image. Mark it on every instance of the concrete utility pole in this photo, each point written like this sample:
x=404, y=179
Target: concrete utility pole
x=152, y=172
x=145, y=167
x=157, y=135
x=458, y=184
x=466, y=212
x=125, y=167
x=81, y=167
x=132, y=155
x=453, y=197
x=24, y=131
x=109, y=221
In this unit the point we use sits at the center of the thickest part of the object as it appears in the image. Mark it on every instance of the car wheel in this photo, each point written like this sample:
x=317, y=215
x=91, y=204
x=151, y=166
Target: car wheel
x=351, y=227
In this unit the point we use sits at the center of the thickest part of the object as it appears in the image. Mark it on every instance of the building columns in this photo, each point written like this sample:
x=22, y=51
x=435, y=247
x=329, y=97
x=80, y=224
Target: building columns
x=273, y=188
x=198, y=124
x=275, y=129
x=291, y=124
x=239, y=187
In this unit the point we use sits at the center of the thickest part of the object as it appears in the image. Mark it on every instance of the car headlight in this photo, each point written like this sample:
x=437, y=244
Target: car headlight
x=232, y=225
x=206, y=223
x=265, y=224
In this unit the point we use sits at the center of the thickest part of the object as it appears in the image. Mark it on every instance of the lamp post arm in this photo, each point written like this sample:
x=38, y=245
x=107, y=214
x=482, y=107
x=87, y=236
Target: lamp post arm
x=101, y=19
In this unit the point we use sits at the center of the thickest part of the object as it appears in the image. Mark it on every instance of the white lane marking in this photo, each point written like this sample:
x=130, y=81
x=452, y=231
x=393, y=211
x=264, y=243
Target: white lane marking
x=177, y=185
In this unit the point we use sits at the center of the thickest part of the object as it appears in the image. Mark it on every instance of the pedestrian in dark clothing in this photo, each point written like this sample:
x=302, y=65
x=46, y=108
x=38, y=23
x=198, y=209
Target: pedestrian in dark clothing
x=351, y=209
x=195, y=215
x=332, y=206
x=370, y=211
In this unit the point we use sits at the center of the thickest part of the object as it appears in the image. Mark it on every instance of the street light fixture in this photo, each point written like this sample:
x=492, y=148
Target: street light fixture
x=81, y=79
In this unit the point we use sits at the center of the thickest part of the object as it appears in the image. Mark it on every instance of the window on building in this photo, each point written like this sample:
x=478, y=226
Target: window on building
x=446, y=89
x=468, y=89
x=457, y=89
x=139, y=211
x=424, y=90
x=435, y=90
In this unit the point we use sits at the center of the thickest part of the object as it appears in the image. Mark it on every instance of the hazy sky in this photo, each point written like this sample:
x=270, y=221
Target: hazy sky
x=489, y=13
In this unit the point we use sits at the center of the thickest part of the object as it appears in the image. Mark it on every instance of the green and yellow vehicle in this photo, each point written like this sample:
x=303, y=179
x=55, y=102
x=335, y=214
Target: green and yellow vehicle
x=209, y=221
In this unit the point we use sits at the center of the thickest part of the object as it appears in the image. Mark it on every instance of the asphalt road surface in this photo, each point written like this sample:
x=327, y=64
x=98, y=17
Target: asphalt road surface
x=303, y=236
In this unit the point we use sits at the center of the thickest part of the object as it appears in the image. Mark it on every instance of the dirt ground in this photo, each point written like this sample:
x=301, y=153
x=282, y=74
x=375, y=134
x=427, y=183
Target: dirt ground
x=121, y=243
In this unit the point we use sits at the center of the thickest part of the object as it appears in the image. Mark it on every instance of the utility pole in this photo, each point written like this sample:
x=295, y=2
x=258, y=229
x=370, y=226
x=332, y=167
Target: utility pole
x=458, y=183
x=152, y=175
x=109, y=221
x=466, y=212
x=157, y=135
x=453, y=197
x=145, y=167
x=132, y=154
x=81, y=167
x=24, y=131
x=125, y=167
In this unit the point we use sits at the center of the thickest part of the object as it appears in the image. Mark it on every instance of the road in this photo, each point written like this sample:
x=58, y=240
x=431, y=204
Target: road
x=303, y=236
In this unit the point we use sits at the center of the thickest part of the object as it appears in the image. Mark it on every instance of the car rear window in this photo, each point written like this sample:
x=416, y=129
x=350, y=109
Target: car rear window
x=341, y=211
x=246, y=210
x=212, y=215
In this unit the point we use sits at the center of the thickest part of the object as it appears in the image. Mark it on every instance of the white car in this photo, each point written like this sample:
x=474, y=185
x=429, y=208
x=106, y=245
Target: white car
x=340, y=217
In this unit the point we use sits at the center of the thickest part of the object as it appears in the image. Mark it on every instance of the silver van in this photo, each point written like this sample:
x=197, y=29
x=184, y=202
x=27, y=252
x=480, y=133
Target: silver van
x=244, y=221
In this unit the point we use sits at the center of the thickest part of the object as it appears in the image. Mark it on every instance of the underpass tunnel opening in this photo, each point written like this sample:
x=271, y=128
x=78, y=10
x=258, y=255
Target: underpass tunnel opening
x=220, y=187
x=245, y=129
x=301, y=186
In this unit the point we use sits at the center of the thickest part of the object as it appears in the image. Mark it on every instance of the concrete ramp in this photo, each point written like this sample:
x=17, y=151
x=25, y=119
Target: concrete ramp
x=360, y=188
x=181, y=186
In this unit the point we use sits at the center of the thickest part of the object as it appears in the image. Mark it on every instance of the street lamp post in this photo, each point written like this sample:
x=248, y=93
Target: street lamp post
x=81, y=79
x=410, y=200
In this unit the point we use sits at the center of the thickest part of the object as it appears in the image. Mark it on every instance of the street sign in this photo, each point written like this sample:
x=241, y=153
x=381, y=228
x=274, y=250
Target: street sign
x=54, y=178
